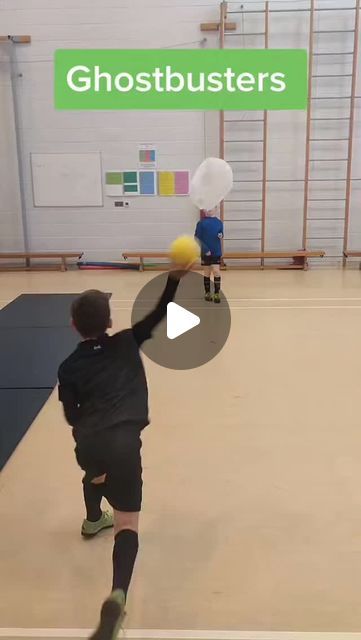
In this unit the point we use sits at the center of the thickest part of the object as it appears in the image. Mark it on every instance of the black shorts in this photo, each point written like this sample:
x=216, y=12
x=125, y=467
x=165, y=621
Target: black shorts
x=117, y=453
x=207, y=261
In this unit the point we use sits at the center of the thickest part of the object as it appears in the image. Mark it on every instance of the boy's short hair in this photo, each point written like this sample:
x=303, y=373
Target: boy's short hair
x=90, y=313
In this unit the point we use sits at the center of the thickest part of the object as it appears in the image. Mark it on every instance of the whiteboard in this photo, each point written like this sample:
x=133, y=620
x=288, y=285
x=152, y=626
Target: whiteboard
x=67, y=179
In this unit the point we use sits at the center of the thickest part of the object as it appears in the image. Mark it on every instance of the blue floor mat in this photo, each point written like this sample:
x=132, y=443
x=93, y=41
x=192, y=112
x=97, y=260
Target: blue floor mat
x=38, y=310
x=30, y=357
x=35, y=337
x=18, y=409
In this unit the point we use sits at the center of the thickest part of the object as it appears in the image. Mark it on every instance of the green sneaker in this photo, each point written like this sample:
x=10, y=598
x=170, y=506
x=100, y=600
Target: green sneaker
x=112, y=615
x=217, y=298
x=208, y=297
x=90, y=529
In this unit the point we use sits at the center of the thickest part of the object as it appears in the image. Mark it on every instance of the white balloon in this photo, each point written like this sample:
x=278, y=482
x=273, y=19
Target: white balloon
x=210, y=184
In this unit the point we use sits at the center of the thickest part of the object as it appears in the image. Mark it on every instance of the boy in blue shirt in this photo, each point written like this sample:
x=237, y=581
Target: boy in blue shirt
x=209, y=232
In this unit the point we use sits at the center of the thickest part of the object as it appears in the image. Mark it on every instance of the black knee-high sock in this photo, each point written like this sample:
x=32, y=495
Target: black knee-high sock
x=93, y=494
x=207, y=284
x=217, y=284
x=124, y=555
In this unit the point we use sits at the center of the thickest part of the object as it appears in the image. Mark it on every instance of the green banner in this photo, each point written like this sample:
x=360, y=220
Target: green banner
x=205, y=79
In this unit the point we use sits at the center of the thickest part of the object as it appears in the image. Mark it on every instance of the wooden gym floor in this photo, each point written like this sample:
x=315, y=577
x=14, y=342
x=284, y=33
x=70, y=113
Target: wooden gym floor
x=252, y=502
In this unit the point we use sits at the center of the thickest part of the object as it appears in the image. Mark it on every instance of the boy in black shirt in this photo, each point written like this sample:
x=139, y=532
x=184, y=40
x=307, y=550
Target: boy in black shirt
x=103, y=388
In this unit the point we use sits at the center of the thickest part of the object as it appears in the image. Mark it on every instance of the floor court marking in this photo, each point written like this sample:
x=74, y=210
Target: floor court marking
x=268, y=299
x=171, y=634
x=330, y=306
x=315, y=299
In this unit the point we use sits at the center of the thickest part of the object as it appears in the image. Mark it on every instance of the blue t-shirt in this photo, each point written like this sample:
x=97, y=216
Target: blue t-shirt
x=209, y=232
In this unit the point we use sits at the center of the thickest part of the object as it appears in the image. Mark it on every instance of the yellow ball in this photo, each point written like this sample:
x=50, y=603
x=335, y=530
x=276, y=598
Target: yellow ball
x=184, y=250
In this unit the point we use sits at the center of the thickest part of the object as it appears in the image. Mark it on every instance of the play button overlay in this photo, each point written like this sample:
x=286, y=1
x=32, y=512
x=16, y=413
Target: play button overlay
x=192, y=332
x=179, y=320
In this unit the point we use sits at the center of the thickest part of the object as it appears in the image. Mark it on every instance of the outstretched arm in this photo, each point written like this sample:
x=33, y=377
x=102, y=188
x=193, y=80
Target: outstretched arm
x=143, y=329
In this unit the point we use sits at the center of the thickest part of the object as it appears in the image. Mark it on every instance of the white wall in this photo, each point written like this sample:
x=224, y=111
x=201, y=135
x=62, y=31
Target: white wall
x=183, y=139
x=11, y=226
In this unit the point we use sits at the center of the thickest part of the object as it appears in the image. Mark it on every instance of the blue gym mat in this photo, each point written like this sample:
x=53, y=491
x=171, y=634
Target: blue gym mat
x=19, y=408
x=35, y=337
x=38, y=310
x=30, y=357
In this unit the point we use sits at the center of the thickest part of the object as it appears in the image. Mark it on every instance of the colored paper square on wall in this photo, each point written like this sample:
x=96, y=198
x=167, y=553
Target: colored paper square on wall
x=114, y=177
x=130, y=177
x=147, y=183
x=182, y=183
x=131, y=189
x=166, y=183
x=147, y=155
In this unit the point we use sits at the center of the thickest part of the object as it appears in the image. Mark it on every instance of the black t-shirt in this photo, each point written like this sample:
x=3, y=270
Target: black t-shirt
x=103, y=384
